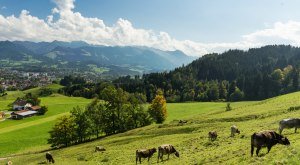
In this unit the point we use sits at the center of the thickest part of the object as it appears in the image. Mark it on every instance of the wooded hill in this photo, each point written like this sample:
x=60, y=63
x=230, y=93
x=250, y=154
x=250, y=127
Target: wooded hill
x=234, y=75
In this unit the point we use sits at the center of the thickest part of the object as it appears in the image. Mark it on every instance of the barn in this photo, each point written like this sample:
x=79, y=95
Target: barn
x=22, y=114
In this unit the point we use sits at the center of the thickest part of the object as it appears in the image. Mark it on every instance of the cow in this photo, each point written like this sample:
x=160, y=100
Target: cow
x=144, y=153
x=99, y=148
x=166, y=149
x=234, y=130
x=49, y=157
x=289, y=123
x=266, y=139
x=9, y=162
x=212, y=135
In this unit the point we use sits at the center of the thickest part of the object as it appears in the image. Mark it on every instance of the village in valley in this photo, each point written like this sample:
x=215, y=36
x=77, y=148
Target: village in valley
x=20, y=80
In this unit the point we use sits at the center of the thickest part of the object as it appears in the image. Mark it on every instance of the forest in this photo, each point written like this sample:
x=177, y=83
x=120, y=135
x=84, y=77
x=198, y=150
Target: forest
x=235, y=75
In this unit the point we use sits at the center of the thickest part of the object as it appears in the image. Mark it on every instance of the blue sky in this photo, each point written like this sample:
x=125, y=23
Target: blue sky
x=208, y=25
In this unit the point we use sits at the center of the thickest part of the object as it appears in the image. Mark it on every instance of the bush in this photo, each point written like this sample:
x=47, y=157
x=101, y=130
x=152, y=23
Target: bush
x=45, y=92
x=237, y=95
x=43, y=110
x=228, y=107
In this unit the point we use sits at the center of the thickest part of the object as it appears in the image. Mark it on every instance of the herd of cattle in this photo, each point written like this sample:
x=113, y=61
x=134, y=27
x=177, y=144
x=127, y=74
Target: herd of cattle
x=266, y=138
x=261, y=139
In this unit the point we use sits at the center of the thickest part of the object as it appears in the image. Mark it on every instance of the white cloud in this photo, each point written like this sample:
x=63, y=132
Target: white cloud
x=72, y=26
x=280, y=33
x=3, y=7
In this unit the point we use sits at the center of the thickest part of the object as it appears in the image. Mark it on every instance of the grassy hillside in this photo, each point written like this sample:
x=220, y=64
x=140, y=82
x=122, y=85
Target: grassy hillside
x=191, y=139
x=12, y=95
x=32, y=133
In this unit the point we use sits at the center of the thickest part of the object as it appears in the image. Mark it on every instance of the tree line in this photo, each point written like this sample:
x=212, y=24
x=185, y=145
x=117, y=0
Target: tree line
x=234, y=75
x=114, y=111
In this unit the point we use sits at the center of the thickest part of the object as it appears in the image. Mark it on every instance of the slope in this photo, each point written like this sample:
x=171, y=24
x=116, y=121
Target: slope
x=32, y=133
x=191, y=139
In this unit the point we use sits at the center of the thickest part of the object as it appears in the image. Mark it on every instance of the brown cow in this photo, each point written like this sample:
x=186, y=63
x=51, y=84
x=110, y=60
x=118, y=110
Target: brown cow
x=144, y=153
x=266, y=139
x=212, y=135
x=166, y=149
x=49, y=157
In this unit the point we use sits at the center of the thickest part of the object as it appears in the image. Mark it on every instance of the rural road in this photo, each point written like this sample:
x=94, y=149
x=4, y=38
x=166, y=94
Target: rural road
x=4, y=158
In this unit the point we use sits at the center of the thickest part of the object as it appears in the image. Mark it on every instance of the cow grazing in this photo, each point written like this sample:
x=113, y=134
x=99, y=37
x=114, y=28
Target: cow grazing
x=49, y=157
x=234, y=130
x=266, y=139
x=212, y=135
x=289, y=123
x=99, y=148
x=166, y=149
x=144, y=153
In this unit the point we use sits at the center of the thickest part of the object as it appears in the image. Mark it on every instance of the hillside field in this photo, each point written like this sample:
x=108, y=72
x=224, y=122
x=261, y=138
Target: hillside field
x=32, y=133
x=191, y=139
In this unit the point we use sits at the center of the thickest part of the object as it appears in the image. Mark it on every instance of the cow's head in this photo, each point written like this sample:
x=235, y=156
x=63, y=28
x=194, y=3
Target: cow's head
x=284, y=141
x=153, y=150
x=238, y=131
x=177, y=153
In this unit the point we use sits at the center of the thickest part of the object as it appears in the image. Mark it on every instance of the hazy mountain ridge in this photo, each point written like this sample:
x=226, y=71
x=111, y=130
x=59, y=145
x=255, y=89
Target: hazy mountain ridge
x=139, y=59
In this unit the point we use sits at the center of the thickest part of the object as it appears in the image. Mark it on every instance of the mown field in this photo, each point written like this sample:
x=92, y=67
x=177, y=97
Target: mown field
x=191, y=139
x=18, y=136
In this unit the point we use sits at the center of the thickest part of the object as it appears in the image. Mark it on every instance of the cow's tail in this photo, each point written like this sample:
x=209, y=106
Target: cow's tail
x=253, y=137
x=136, y=156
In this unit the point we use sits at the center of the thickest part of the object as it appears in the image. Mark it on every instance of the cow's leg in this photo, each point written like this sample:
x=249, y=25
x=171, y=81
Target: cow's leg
x=295, y=129
x=252, y=149
x=140, y=159
x=280, y=130
x=269, y=148
x=168, y=156
x=257, y=150
x=136, y=159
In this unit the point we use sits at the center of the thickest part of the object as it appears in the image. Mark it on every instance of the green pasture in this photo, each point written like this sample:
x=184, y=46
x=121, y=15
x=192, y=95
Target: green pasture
x=32, y=133
x=191, y=139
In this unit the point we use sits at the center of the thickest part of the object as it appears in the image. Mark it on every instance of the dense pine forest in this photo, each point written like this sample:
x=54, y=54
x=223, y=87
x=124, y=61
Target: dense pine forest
x=234, y=75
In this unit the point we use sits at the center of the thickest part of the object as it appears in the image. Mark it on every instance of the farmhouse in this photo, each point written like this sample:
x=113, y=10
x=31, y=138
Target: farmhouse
x=19, y=104
x=22, y=114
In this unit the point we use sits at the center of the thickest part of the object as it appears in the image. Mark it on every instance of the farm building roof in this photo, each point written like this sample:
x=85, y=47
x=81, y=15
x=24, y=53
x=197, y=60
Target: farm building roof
x=25, y=113
x=20, y=102
x=35, y=108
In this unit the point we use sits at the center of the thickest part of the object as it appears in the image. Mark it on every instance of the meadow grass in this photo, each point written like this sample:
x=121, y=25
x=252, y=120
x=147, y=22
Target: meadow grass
x=22, y=135
x=191, y=139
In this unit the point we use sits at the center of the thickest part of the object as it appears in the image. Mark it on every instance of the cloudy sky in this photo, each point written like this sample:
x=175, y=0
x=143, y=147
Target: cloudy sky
x=195, y=27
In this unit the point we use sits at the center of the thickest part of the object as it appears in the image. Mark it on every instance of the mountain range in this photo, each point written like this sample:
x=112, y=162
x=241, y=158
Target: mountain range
x=81, y=56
